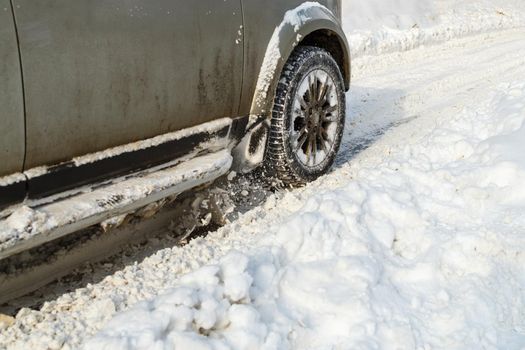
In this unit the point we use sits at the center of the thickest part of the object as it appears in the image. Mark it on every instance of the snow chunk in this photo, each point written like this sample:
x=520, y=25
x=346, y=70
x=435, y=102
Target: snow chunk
x=23, y=220
x=12, y=179
x=207, y=301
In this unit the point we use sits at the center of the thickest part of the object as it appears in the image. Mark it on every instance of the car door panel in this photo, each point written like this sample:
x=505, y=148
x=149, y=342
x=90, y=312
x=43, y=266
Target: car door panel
x=11, y=96
x=258, y=29
x=102, y=73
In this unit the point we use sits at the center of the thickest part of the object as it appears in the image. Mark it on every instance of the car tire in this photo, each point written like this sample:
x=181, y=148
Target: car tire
x=308, y=118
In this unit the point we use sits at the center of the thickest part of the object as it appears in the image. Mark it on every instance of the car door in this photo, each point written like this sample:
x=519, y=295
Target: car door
x=11, y=96
x=12, y=143
x=102, y=73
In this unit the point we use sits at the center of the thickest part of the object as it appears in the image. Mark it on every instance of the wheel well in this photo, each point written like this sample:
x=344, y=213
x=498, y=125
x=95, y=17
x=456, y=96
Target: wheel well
x=330, y=41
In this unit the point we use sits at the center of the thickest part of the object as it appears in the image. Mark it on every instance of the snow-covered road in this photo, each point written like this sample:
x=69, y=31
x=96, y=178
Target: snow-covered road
x=416, y=240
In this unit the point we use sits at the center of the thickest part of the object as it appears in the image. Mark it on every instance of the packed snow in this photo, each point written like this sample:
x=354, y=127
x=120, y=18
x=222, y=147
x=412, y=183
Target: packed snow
x=424, y=251
x=415, y=240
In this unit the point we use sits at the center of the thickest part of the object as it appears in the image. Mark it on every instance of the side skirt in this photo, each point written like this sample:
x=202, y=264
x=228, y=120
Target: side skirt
x=12, y=193
x=120, y=161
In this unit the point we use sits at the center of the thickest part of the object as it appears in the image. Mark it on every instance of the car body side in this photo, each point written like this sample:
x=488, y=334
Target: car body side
x=11, y=97
x=219, y=72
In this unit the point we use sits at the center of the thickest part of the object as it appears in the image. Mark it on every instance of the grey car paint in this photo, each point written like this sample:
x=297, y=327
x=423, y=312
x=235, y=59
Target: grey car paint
x=101, y=73
x=11, y=97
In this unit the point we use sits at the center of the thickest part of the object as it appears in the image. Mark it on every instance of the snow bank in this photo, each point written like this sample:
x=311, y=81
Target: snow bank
x=379, y=26
x=424, y=252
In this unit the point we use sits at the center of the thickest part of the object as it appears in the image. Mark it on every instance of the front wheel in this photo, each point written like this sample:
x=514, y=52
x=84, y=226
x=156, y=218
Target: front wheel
x=308, y=117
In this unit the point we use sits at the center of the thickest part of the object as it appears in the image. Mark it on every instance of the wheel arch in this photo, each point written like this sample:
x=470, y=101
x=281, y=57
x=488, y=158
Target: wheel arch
x=306, y=25
x=335, y=45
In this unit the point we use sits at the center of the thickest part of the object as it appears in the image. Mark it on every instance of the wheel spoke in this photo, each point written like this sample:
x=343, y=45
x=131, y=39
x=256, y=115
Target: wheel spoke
x=320, y=133
x=303, y=103
x=331, y=109
x=312, y=82
x=326, y=137
x=301, y=139
x=302, y=131
x=323, y=145
x=314, y=147
x=300, y=134
x=325, y=90
x=308, y=149
x=329, y=118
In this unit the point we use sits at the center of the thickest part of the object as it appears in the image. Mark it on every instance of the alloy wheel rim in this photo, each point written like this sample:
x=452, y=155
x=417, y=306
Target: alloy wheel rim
x=315, y=115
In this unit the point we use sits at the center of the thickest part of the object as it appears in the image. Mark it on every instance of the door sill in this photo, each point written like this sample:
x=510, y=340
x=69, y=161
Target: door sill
x=31, y=226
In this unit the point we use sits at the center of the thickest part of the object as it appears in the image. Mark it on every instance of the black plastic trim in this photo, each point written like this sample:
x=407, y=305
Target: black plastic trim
x=239, y=129
x=12, y=194
x=67, y=176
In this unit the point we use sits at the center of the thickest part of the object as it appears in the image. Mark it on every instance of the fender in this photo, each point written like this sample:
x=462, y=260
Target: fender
x=296, y=25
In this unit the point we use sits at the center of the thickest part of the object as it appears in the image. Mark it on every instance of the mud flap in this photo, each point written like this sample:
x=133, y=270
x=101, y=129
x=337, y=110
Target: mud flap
x=249, y=153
